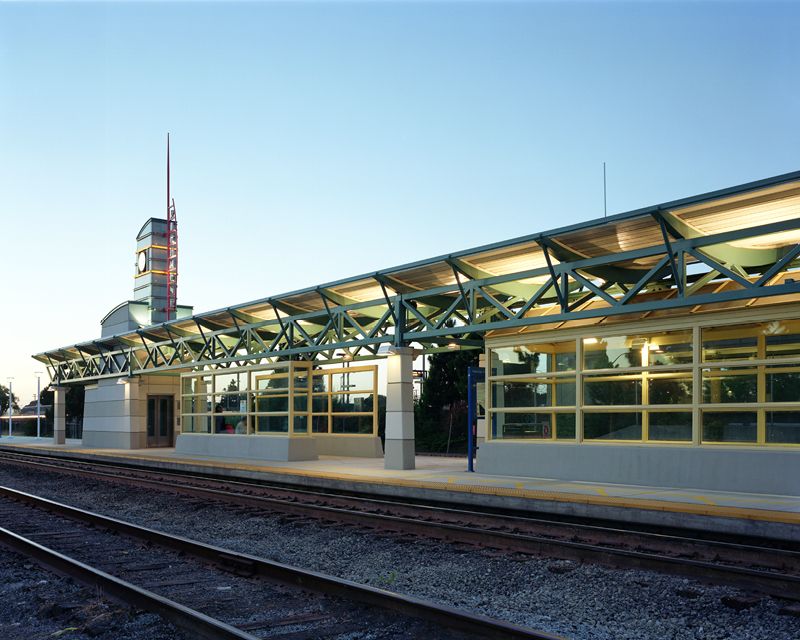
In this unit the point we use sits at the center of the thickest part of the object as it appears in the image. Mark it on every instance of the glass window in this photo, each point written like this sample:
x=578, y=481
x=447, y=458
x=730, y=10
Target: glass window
x=730, y=343
x=534, y=358
x=197, y=404
x=352, y=424
x=272, y=424
x=612, y=390
x=669, y=347
x=641, y=350
x=278, y=381
x=670, y=389
x=232, y=402
x=670, y=426
x=301, y=402
x=616, y=352
x=198, y=384
x=534, y=393
x=565, y=426
x=355, y=381
x=319, y=424
x=196, y=424
x=612, y=425
x=226, y=382
x=319, y=404
x=782, y=339
x=268, y=403
x=351, y=403
x=301, y=424
x=523, y=425
x=729, y=385
x=320, y=383
x=729, y=426
x=301, y=379
x=782, y=384
x=782, y=427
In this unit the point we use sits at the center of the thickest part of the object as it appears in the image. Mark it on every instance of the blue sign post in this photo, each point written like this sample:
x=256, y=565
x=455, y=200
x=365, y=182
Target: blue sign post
x=475, y=375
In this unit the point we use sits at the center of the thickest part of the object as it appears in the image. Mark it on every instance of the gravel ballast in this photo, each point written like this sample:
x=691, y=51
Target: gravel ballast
x=579, y=602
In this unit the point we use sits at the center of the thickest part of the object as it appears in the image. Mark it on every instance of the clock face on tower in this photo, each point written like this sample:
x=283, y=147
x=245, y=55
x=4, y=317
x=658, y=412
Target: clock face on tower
x=141, y=262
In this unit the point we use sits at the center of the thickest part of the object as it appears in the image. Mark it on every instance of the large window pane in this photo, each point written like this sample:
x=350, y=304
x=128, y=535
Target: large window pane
x=197, y=404
x=730, y=343
x=355, y=381
x=272, y=424
x=782, y=338
x=615, y=352
x=301, y=379
x=232, y=401
x=729, y=426
x=271, y=403
x=640, y=350
x=565, y=426
x=537, y=358
x=612, y=426
x=729, y=385
x=534, y=393
x=301, y=402
x=320, y=383
x=783, y=427
x=351, y=403
x=199, y=384
x=670, y=426
x=607, y=390
x=522, y=425
x=196, y=424
x=225, y=382
x=319, y=424
x=669, y=347
x=280, y=381
x=301, y=424
x=670, y=389
x=782, y=385
x=352, y=424
x=319, y=404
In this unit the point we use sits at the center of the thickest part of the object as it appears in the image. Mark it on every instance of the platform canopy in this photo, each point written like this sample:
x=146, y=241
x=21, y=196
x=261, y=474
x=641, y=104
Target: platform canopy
x=727, y=249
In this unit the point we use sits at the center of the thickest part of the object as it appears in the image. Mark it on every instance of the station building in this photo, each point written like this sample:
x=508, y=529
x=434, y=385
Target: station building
x=655, y=347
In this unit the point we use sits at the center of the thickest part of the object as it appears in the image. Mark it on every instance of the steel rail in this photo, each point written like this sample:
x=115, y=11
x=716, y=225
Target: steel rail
x=192, y=622
x=778, y=585
x=287, y=576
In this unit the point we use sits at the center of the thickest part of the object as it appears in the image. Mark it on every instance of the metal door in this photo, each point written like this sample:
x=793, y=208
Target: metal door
x=159, y=421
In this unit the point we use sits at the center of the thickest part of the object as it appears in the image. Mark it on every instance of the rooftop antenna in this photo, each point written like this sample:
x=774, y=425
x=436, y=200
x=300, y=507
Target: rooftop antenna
x=172, y=252
x=605, y=206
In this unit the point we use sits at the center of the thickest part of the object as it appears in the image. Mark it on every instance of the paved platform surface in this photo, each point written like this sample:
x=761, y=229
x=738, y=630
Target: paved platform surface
x=446, y=479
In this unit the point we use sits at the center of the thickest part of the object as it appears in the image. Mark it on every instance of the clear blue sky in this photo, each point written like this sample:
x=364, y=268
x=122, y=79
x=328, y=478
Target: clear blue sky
x=317, y=141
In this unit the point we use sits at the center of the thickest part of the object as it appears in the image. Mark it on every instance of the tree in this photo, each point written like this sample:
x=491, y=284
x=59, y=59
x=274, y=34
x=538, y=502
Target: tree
x=4, y=399
x=444, y=402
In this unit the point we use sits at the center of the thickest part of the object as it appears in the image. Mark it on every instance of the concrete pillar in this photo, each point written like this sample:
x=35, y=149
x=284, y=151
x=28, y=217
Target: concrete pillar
x=60, y=415
x=399, y=447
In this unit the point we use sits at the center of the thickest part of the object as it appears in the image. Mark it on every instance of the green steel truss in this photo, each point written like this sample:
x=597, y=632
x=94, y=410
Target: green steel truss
x=684, y=268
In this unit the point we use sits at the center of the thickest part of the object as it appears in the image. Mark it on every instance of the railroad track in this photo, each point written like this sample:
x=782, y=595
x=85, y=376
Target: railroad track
x=755, y=568
x=151, y=570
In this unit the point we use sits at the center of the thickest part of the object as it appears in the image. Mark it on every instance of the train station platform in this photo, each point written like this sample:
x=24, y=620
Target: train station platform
x=445, y=480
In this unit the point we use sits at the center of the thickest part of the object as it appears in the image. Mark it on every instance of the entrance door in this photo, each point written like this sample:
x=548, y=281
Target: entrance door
x=159, y=421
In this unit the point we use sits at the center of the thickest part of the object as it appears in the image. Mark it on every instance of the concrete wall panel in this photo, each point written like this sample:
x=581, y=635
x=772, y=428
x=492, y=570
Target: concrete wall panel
x=725, y=469
x=344, y=445
x=274, y=448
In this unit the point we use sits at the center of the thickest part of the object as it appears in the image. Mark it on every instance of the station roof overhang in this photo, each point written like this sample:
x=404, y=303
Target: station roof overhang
x=728, y=247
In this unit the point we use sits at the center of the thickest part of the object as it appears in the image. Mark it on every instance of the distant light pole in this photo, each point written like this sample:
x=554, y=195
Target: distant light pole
x=38, y=404
x=10, y=404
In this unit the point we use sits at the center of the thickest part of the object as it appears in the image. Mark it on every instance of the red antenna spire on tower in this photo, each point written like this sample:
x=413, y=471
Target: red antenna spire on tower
x=172, y=252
